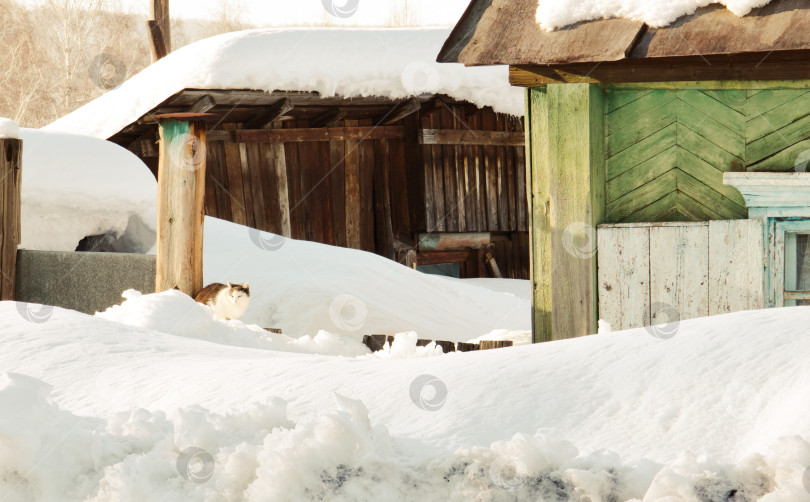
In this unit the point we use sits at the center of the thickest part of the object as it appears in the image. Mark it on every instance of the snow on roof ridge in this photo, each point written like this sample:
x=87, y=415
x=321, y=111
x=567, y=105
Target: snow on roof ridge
x=557, y=14
x=395, y=63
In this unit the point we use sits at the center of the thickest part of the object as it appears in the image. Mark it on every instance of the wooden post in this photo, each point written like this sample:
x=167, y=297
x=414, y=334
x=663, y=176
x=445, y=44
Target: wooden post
x=180, y=211
x=160, y=29
x=566, y=182
x=10, y=227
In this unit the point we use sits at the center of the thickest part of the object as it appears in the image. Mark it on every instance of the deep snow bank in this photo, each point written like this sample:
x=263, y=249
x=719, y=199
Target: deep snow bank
x=718, y=412
x=305, y=287
x=260, y=454
x=76, y=186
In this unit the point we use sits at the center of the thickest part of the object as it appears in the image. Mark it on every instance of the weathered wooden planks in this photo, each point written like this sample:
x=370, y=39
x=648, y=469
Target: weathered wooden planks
x=470, y=137
x=10, y=213
x=736, y=266
x=681, y=270
x=624, y=276
x=333, y=189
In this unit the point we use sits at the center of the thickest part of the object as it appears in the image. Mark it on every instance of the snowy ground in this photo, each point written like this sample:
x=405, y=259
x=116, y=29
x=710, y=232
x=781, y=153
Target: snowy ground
x=718, y=409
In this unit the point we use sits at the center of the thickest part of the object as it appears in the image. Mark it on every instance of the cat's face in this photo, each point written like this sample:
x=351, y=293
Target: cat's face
x=239, y=292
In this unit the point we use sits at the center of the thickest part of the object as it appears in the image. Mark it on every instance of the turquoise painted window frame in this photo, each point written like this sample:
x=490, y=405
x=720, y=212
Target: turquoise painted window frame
x=779, y=230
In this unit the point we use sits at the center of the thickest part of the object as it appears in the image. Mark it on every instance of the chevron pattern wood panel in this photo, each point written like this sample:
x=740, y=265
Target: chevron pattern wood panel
x=667, y=149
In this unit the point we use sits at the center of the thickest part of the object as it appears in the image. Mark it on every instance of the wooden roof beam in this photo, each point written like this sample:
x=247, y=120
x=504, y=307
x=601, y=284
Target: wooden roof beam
x=401, y=110
x=329, y=118
x=202, y=105
x=265, y=120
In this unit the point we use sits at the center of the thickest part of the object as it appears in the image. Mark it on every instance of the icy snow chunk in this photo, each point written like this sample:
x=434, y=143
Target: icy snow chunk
x=9, y=129
x=553, y=14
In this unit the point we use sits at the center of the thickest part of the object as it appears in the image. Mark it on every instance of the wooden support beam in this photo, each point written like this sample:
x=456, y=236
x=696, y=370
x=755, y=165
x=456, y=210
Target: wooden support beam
x=448, y=241
x=565, y=176
x=160, y=29
x=157, y=42
x=403, y=110
x=180, y=211
x=470, y=137
x=202, y=105
x=779, y=65
x=492, y=263
x=352, y=182
x=10, y=225
x=354, y=133
x=265, y=120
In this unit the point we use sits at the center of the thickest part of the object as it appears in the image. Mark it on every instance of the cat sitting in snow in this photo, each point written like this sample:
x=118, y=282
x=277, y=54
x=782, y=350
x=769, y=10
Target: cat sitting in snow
x=227, y=301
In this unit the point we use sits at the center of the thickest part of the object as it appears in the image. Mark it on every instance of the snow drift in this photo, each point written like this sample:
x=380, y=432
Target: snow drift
x=718, y=412
x=77, y=186
x=394, y=63
x=304, y=287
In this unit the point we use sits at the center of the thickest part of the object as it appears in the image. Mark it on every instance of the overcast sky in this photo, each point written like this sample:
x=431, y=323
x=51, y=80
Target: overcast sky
x=307, y=12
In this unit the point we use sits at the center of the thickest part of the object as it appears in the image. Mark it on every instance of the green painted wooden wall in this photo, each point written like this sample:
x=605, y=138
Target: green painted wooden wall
x=667, y=149
x=642, y=153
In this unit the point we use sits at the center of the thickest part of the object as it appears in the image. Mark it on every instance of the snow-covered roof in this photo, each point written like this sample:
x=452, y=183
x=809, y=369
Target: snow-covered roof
x=658, y=13
x=393, y=63
x=525, y=32
x=76, y=186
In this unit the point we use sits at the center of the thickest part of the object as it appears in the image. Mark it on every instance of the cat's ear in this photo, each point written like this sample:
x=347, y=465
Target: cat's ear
x=246, y=286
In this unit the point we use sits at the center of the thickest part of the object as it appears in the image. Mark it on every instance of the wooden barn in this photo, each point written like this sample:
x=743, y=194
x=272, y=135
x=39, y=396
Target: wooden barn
x=378, y=174
x=420, y=175
x=667, y=165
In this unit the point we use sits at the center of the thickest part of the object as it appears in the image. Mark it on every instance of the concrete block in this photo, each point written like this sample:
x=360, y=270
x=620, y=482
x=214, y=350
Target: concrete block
x=82, y=281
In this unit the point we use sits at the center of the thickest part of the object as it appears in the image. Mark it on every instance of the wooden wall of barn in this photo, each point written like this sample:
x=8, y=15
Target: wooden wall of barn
x=370, y=194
